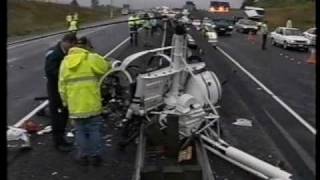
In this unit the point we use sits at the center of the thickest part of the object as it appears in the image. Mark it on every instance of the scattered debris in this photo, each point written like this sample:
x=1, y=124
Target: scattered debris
x=31, y=126
x=109, y=145
x=243, y=122
x=40, y=143
x=70, y=134
x=281, y=54
x=108, y=140
x=47, y=129
x=298, y=62
x=17, y=138
x=286, y=56
x=65, y=177
x=54, y=173
x=291, y=59
x=258, y=88
x=269, y=156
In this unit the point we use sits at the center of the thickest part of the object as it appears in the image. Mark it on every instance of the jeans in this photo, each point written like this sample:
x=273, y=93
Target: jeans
x=88, y=136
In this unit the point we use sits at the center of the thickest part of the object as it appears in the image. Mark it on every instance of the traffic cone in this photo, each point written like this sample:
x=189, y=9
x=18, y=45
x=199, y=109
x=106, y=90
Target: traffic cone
x=312, y=58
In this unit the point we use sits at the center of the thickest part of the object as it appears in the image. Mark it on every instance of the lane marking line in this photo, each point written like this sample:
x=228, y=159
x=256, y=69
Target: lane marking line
x=283, y=104
x=309, y=161
x=46, y=102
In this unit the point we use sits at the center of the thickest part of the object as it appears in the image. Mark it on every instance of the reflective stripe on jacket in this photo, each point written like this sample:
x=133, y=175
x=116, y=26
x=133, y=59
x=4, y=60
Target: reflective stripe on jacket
x=133, y=21
x=79, y=76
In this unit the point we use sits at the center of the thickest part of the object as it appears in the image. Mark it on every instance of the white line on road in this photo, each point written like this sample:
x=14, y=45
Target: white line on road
x=283, y=104
x=309, y=161
x=46, y=102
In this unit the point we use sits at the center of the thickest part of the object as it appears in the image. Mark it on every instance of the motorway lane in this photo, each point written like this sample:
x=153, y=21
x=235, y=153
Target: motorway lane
x=293, y=142
x=25, y=68
x=43, y=160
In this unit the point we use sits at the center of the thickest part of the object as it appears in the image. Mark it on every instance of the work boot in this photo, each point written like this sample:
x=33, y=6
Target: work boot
x=64, y=146
x=96, y=161
x=83, y=161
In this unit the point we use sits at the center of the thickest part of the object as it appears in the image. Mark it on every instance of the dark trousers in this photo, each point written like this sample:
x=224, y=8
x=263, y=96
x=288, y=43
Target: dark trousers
x=59, y=114
x=264, y=40
x=134, y=35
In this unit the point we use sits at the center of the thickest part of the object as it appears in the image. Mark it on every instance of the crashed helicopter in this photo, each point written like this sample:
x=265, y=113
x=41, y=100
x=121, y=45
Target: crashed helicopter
x=173, y=106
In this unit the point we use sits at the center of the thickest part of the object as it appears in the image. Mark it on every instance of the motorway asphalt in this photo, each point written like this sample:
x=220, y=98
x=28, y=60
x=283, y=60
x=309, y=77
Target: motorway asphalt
x=275, y=135
x=25, y=67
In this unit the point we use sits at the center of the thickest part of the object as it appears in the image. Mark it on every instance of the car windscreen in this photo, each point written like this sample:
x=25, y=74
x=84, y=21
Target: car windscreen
x=223, y=22
x=292, y=32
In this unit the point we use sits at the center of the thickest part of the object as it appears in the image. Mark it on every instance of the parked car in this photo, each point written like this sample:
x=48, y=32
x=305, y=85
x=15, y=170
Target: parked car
x=223, y=26
x=311, y=35
x=211, y=35
x=197, y=23
x=246, y=25
x=289, y=38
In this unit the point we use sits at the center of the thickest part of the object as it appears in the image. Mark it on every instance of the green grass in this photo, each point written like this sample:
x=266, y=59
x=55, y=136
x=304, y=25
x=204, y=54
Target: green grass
x=29, y=18
x=301, y=12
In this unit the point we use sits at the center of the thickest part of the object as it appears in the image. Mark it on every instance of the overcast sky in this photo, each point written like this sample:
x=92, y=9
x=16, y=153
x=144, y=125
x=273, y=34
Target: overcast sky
x=141, y=4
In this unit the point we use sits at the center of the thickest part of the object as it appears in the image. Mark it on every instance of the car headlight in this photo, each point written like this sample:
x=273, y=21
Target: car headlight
x=230, y=27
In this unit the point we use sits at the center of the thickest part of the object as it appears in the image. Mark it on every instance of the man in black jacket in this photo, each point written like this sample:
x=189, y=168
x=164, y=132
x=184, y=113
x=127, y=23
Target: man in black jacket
x=59, y=114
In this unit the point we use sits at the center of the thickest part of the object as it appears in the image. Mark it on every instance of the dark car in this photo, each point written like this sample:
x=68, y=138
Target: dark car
x=223, y=26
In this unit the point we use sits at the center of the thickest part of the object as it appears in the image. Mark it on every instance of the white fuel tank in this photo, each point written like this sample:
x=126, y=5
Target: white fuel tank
x=205, y=84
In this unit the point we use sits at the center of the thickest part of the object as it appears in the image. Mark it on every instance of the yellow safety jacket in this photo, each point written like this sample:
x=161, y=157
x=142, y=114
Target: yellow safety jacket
x=80, y=72
x=133, y=21
x=73, y=25
x=68, y=18
x=75, y=17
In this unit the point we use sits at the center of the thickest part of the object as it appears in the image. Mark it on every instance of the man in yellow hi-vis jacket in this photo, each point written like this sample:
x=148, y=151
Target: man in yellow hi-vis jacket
x=79, y=76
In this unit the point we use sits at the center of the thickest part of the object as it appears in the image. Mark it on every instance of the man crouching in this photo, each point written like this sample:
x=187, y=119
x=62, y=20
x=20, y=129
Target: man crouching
x=79, y=76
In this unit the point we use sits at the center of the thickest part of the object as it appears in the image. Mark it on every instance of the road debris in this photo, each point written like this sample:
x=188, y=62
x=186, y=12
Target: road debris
x=17, y=138
x=54, y=173
x=243, y=122
x=70, y=134
x=31, y=127
x=47, y=129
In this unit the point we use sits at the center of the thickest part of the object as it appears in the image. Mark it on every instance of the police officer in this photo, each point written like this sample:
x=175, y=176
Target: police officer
x=73, y=26
x=59, y=114
x=68, y=19
x=133, y=28
x=264, y=33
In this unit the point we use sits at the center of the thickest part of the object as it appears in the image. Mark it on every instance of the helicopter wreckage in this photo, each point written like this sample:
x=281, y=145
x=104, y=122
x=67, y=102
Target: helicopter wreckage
x=170, y=109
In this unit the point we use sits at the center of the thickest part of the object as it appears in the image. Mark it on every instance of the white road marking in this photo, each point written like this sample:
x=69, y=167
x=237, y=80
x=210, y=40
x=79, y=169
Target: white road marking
x=283, y=104
x=309, y=161
x=46, y=102
x=13, y=59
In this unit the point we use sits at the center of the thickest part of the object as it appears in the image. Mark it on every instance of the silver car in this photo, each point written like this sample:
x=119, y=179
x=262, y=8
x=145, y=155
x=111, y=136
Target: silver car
x=246, y=25
x=311, y=35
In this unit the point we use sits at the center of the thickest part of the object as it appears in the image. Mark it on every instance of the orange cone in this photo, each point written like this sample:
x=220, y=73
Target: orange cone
x=312, y=58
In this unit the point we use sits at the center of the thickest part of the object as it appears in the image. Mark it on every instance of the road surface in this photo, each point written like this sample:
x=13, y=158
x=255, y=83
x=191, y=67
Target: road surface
x=275, y=136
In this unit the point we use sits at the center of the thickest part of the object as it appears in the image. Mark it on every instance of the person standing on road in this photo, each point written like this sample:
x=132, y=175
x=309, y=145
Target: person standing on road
x=68, y=19
x=58, y=114
x=147, y=24
x=79, y=76
x=289, y=23
x=264, y=33
x=73, y=26
x=133, y=28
